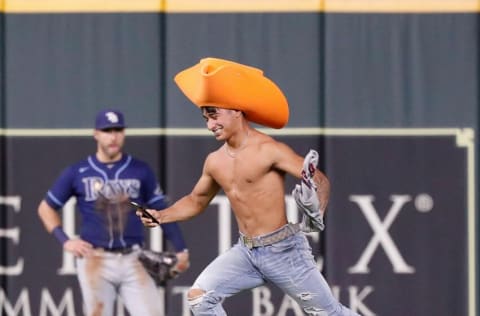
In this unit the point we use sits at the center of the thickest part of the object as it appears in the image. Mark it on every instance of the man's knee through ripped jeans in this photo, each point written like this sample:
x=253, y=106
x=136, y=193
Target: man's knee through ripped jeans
x=205, y=303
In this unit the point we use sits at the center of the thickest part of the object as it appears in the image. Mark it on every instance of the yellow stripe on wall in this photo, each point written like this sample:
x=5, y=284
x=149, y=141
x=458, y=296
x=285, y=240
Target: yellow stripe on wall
x=245, y=5
x=381, y=6
x=408, y=6
x=214, y=6
x=57, y=6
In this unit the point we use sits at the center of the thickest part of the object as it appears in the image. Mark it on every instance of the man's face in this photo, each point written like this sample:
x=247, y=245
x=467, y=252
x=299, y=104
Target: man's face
x=218, y=120
x=110, y=141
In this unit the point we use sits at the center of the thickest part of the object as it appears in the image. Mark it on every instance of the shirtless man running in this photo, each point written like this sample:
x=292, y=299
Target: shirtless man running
x=250, y=167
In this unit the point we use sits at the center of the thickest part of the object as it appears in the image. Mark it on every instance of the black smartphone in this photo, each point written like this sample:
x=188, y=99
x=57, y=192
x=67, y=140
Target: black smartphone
x=144, y=211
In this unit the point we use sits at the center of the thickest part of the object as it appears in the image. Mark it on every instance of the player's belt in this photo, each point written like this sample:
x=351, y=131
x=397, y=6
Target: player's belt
x=119, y=250
x=123, y=251
x=265, y=240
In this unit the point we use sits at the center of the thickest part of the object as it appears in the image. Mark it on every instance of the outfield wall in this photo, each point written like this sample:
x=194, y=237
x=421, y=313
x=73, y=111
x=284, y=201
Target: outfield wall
x=386, y=91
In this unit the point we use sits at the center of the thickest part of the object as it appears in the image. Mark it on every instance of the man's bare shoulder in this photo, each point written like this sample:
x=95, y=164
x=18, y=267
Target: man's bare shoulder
x=262, y=139
x=213, y=158
x=279, y=155
x=270, y=145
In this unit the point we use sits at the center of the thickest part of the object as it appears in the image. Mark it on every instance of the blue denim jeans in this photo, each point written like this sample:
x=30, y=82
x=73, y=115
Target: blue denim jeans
x=289, y=264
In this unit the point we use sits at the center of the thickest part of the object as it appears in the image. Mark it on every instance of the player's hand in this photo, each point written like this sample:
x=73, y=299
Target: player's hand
x=78, y=247
x=183, y=261
x=146, y=221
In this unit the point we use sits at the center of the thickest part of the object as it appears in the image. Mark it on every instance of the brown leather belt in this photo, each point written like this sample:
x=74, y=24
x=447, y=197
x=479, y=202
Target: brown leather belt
x=265, y=240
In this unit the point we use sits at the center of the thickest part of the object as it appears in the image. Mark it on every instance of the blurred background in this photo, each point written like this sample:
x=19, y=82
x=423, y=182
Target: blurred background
x=386, y=90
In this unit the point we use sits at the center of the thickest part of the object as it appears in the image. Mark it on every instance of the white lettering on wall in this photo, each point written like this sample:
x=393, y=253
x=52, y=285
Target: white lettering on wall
x=12, y=202
x=357, y=297
x=224, y=223
x=262, y=303
x=22, y=304
x=380, y=236
x=68, y=223
x=182, y=290
x=48, y=306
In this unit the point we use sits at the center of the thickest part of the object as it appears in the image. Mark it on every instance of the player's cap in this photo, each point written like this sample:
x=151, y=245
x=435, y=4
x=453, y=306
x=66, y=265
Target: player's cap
x=109, y=119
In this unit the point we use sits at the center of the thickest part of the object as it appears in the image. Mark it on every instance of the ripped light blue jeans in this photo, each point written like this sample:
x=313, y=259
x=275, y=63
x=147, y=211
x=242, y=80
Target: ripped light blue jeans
x=289, y=264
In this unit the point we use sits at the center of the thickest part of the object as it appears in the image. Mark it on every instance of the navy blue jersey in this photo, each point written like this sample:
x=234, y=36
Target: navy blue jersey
x=103, y=192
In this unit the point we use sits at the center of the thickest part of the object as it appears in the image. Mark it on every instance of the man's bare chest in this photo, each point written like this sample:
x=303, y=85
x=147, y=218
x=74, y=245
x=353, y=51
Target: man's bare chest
x=240, y=172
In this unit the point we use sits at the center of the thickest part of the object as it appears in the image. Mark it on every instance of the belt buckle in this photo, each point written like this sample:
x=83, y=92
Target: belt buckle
x=248, y=242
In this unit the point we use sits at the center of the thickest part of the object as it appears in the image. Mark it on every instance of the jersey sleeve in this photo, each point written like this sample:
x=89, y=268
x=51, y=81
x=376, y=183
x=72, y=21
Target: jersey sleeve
x=61, y=190
x=174, y=235
x=156, y=199
x=153, y=193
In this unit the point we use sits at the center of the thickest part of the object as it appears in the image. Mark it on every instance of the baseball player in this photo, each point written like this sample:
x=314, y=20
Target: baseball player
x=111, y=235
x=250, y=167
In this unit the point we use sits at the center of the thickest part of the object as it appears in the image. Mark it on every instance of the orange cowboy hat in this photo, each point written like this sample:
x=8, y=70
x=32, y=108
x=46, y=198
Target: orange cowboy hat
x=230, y=85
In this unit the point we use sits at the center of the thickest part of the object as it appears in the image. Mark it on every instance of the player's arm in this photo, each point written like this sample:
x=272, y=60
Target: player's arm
x=53, y=224
x=49, y=217
x=191, y=204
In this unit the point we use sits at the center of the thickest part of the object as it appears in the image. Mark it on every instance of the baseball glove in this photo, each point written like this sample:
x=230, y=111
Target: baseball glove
x=159, y=265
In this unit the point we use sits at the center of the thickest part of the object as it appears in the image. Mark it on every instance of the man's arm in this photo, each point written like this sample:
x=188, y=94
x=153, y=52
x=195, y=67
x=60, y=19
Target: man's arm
x=313, y=193
x=287, y=160
x=49, y=217
x=190, y=205
x=323, y=189
x=306, y=195
x=53, y=224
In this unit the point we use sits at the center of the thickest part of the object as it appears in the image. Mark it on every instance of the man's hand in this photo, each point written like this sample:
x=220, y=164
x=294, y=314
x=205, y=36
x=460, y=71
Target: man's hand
x=79, y=247
x=147, y=221
x=305, y=195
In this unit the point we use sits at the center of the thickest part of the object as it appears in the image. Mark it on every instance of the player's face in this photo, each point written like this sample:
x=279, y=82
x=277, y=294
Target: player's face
x=219, y=121
x=110, y=143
